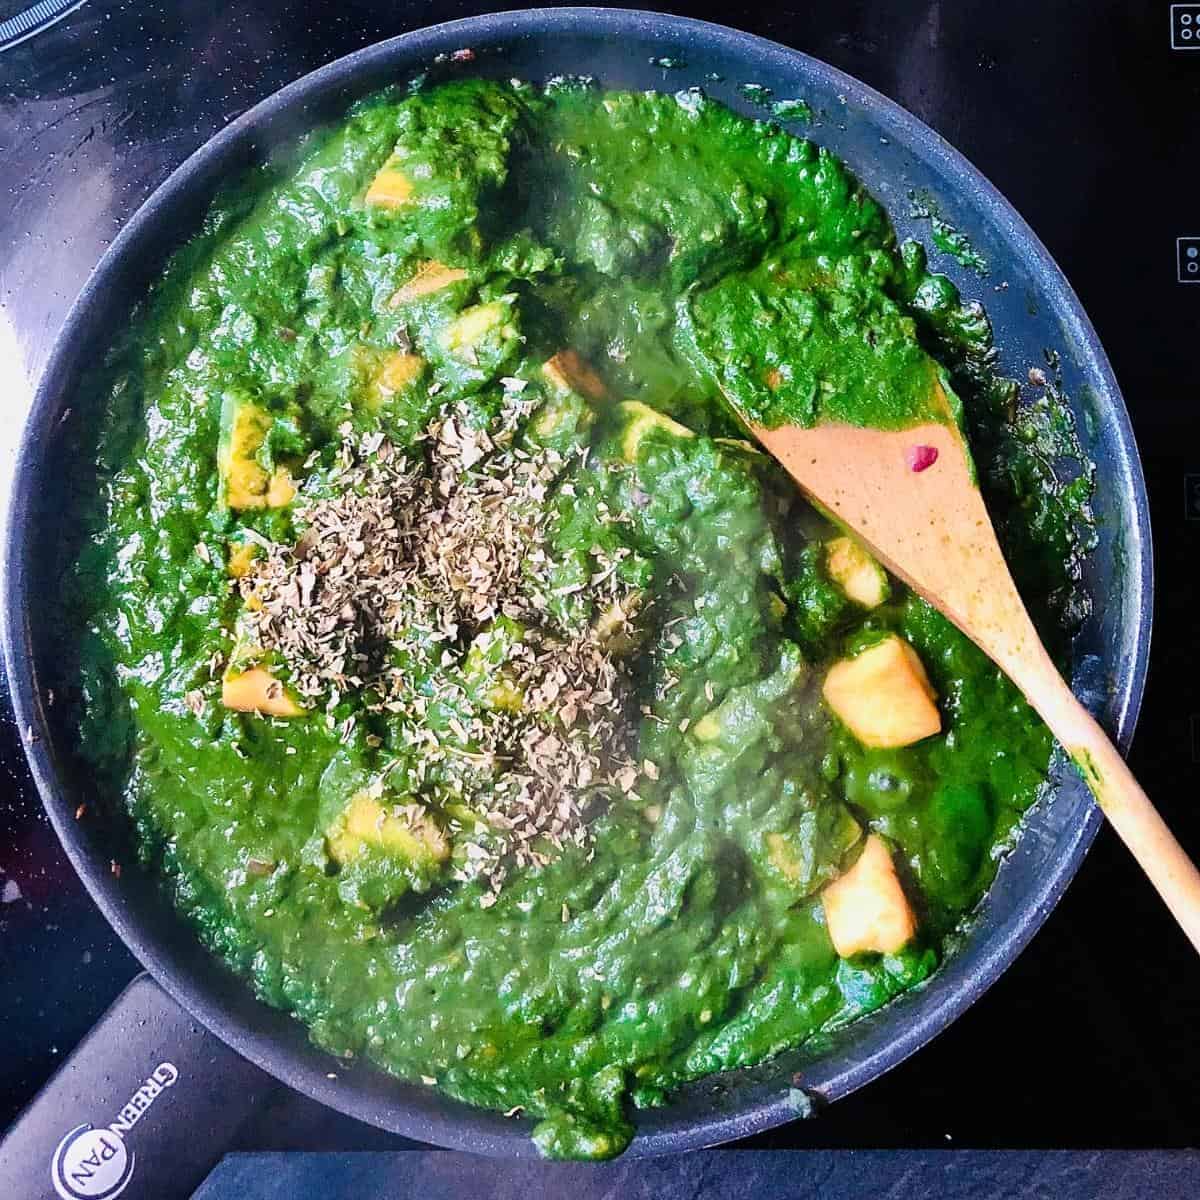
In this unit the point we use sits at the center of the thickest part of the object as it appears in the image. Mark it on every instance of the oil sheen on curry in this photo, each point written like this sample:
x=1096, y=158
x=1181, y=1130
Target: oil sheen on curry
x=478, y=690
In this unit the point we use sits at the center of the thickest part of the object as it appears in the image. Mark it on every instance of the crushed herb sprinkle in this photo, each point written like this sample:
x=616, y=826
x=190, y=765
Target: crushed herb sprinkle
x=405, y=557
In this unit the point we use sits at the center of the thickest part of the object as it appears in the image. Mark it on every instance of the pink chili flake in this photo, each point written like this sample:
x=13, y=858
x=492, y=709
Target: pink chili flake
x=466, y=55
x=921, y=457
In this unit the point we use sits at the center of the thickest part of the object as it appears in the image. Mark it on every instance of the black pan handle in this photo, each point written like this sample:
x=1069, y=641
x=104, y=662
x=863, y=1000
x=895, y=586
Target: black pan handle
x=143, y=1109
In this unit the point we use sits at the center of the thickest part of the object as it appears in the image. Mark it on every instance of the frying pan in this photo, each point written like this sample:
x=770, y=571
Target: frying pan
x=1034, y=312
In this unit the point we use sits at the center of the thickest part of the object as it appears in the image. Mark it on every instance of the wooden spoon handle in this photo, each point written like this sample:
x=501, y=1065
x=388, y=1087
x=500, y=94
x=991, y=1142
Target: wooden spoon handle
x=1120, y=798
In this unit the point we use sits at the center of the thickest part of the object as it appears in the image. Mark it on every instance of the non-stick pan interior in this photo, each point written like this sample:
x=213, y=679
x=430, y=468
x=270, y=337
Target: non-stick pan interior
x=899, y=159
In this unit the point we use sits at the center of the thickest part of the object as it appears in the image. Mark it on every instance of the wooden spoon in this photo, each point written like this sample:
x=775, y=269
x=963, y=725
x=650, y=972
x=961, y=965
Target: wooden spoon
x=911, y=498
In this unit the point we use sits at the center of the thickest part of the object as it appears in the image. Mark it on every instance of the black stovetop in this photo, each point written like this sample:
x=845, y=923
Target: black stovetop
x=1086, y=118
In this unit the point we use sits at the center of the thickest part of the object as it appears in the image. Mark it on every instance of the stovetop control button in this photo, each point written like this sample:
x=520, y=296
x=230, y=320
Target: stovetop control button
x=1185, y=26
x=1187, y=256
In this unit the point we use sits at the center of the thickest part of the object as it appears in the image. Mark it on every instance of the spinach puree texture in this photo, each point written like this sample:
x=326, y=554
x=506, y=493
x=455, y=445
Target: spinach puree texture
x=686, y=254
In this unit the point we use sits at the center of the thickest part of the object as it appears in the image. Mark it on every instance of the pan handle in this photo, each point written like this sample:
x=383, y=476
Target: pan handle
x=143, y=1108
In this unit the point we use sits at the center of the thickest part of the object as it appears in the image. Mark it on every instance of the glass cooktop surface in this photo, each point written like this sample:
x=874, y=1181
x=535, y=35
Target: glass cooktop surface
x=1083, y=113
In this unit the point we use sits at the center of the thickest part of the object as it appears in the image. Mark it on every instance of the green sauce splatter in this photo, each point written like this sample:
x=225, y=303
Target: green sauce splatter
x=756, y=93
x=792, y=110
x=950, y=240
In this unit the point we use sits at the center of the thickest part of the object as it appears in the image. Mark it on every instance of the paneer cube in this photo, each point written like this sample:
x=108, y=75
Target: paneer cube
x=854, y=570
x=241, y=558
x=562, y=421
x=391, y=188
x=257, y=690
x=431, y=276
x=883, y=695
x=281, y=490
x=464, y=334
x=566, y=415
x=567, y=371
x=639, y=420
x=397, y=372
x=244, y=428
x=478, y=345
x=244, y=482
x=866, y=910
x=404, y=831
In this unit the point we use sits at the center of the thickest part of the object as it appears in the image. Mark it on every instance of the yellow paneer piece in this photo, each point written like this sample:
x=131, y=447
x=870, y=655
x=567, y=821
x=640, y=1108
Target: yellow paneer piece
x=390, y=188
x=281, y=491
x=472, y=325
x=241, y=559
x=856, y=572
x=564, y=412
x=369, y=821
x=429, y=277
x=244, y=482
x=244, y=427
x=550, y=418
x=866, y=909
x=640, y=419
x=570, y=372
x=257, y=690
x=883, y=695
x=397, y=372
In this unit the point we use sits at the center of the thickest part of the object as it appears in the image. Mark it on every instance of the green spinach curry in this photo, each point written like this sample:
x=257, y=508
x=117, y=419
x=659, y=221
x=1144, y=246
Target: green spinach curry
x=480, y=692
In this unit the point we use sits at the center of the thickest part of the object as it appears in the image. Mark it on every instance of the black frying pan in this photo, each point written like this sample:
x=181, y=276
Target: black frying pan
x=894, y=154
